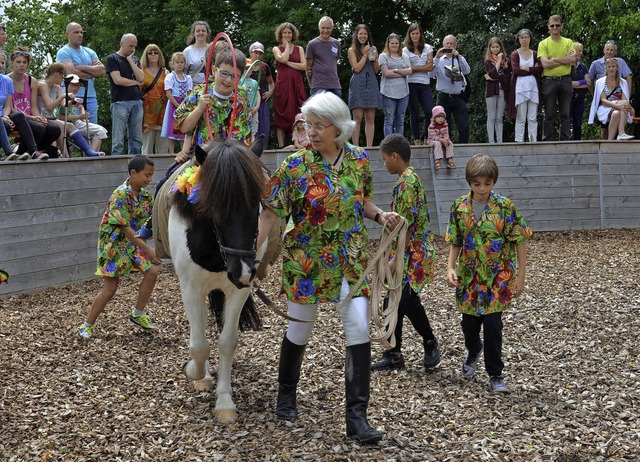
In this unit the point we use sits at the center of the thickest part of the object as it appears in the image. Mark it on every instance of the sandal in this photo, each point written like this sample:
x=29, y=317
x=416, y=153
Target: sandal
x=438, y=164
x=450, y=163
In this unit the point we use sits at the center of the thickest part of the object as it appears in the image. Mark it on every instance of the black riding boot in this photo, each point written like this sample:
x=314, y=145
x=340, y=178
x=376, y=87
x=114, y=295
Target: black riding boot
x=288, y=375
x=357, y=374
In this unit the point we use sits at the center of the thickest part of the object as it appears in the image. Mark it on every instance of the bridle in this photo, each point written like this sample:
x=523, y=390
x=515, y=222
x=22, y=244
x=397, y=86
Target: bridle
x=224, y=250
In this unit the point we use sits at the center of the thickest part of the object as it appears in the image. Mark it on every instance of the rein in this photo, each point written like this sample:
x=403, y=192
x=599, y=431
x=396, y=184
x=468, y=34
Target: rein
x=384, y=321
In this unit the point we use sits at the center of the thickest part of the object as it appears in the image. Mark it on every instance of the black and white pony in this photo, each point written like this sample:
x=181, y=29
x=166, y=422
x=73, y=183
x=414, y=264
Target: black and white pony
x=212, y=237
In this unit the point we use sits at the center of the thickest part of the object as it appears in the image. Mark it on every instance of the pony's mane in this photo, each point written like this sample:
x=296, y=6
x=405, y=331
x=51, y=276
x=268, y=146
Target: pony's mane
x=231, y=178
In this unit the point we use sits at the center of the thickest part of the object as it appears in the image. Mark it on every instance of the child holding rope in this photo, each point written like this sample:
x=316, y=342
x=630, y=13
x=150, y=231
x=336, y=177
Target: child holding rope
x=487, y=234
x=120, y=252
x=418, y=257
x=224, y=102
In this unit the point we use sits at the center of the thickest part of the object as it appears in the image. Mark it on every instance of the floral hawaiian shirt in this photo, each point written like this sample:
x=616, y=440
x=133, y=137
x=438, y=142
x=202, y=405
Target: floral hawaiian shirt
x=410, y=202
x=117, y=255
x=328, y=237
x=220, y=113
x=487, y=261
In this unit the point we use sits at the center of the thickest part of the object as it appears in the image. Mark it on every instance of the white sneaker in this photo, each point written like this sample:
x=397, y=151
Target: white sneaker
x=624, y=137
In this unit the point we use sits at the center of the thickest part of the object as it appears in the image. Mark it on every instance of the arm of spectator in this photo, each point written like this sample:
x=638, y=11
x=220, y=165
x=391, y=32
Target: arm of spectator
x=358, y=65
x=281, y=56
x=123, y=81
x=309, y=70
x=491, y=70
x=137, y=71
x=50, y=104
x=582, y=83
x=629, y=79
x=426, y=67
x=96, y=69
x=272, y=85
x=388, y=73
x=464, y=65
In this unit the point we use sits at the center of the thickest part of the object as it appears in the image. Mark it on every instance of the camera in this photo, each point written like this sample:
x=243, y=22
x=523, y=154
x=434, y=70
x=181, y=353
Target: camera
x=453, y=73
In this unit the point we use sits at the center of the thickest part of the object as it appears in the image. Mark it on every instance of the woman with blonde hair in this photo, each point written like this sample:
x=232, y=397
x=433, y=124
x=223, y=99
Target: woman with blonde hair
x=154, y=100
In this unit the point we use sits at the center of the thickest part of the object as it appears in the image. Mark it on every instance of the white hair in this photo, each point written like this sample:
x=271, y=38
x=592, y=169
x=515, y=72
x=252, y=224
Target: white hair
x=327, y=106
x=325, y=19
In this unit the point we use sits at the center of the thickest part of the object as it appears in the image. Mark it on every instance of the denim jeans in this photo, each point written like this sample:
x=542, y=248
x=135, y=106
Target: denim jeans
x=495, y=114
x=419, y=95
x=394, y=110
x=126, y=120
x=92, y=109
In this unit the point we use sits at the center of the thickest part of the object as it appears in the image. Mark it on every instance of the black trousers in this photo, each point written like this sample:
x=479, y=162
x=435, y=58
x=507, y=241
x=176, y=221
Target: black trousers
x=556, y=98
x=411, y=307
x=27, y=141
x=492, y=323
x=456, y=109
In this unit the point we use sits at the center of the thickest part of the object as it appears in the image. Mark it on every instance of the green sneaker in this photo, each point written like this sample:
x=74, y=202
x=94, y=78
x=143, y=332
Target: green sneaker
x=142, y=321
x=85, y=331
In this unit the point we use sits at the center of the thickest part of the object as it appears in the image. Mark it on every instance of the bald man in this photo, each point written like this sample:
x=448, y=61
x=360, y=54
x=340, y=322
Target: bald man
x=125, y=78
x=83, y=62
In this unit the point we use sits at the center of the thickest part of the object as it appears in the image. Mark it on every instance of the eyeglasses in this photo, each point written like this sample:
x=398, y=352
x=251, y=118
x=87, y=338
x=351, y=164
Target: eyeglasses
x=317, y=127
x=554, y=26
x=225, y=74
x=153, y=52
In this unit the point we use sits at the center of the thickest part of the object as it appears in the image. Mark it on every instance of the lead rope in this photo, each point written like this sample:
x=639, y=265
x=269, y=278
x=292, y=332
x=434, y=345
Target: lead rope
x=383, y=319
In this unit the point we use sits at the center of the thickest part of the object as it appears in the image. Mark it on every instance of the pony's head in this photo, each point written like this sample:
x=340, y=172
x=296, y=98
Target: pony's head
x=232, y=181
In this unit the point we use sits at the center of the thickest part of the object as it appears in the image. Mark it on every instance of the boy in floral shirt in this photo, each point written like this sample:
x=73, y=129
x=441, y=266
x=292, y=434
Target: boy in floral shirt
x=120, y=251
x=417, y=259
x=487, y=234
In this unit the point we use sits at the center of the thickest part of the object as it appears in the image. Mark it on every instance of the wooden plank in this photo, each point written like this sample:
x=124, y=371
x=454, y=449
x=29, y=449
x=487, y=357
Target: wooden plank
x=49, y=215
x=34, y=264
x=57, y=229
x=47, y=278
x=37, y=247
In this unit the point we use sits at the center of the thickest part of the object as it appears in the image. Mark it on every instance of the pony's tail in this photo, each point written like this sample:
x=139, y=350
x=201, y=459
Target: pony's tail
x=249, y=316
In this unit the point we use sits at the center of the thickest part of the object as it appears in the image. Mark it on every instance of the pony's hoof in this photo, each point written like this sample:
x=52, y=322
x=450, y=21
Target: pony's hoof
x=226, y=416
x=191, y=370
x=203, y=385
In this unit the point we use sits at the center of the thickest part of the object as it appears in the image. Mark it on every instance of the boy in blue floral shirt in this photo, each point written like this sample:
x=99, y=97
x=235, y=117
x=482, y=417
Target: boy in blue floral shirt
x=120, y=251
x=487, y=236
x=416, y=260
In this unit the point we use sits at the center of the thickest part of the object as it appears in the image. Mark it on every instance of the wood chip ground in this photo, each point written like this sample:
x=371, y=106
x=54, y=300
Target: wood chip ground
x=571, y=351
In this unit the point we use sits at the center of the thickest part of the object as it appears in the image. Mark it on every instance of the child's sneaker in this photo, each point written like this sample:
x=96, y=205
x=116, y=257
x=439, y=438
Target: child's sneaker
x=470, y=366
x=390, y=360
x=85, y=331
x=23, y=156
x=498, y=386
x=451, y=163
x=12, y=156
x=142, y=321
x=431, y=354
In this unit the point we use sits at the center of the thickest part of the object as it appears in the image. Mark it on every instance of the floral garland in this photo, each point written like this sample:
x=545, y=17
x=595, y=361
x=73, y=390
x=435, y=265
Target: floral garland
x=188, y=183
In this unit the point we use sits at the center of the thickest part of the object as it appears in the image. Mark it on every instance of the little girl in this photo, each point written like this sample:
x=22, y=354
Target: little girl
x=299, y=134
x=177, y=85
x=497, y=77
x=439, y=138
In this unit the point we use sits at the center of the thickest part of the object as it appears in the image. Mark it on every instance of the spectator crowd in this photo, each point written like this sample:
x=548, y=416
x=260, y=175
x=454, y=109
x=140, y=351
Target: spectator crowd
x=46, y=118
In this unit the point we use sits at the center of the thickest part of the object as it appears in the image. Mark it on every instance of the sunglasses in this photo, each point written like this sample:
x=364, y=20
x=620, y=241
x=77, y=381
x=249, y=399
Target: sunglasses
x=555, y=26
x=153, y=52
x=22, y=53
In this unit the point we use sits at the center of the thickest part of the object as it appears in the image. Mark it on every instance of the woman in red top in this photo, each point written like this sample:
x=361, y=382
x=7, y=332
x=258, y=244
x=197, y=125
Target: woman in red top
x=289, y=94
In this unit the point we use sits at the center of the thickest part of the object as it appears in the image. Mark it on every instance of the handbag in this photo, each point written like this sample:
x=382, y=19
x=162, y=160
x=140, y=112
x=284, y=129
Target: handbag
x=153, y=84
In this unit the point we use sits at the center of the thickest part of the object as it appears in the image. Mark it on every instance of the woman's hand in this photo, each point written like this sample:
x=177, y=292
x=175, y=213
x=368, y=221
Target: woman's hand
x=452, y=278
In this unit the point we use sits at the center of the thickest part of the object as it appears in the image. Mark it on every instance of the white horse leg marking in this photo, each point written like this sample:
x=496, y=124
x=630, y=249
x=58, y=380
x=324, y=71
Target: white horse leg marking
x=227, y=342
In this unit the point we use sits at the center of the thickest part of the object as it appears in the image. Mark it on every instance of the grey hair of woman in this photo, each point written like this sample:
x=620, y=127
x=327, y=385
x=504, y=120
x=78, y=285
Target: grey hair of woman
x=327, y=106
x=522, y=32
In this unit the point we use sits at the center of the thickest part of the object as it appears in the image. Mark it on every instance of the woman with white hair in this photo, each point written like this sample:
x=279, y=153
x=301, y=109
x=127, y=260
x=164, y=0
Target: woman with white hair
x=326, y=191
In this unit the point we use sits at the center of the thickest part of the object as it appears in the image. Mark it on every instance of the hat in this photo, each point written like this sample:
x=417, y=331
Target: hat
x=256, y=46
x=72, y=78
x=437, y=110
x=299, y=118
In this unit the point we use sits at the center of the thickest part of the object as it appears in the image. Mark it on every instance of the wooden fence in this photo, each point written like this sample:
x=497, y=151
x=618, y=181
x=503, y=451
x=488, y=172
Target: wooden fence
x=50, y=211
